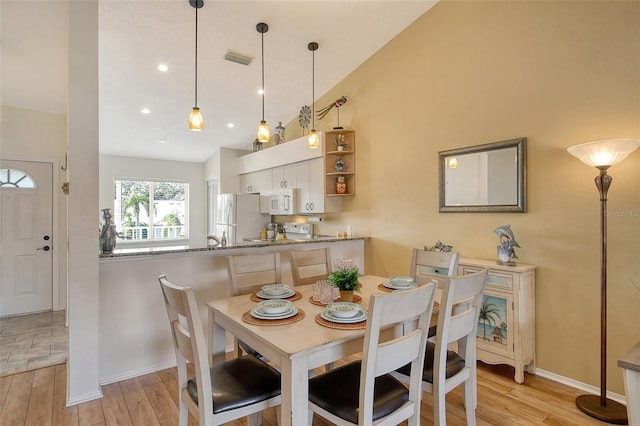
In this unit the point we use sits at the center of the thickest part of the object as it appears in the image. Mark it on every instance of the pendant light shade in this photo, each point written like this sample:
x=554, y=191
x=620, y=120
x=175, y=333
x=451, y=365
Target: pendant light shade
x=314, y=140
x=196, y=121
x=264, y=133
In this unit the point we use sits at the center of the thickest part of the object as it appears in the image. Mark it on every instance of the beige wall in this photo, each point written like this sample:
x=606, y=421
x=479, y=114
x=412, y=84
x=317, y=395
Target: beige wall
x=467, y=73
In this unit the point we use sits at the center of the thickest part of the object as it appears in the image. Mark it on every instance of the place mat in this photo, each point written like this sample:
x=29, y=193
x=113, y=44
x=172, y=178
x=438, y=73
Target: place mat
x=340, y=326
x=246, y=317
x=356, y=299
x=254, y=297
x=381, y=287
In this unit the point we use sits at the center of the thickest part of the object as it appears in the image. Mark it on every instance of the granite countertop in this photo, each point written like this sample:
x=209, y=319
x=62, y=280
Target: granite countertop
x=631, y=360
x=128, y=252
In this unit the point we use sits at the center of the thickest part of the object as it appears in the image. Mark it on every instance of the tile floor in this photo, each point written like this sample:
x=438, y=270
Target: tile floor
x=32, y=341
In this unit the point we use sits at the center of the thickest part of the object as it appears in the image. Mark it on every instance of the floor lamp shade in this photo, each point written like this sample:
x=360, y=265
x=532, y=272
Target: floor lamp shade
x=602, y=155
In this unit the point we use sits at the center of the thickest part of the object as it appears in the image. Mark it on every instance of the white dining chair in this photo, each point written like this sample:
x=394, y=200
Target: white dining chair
x=363, y=392
x=309, y=266
x=445, y=369
x=226, y=391
x=427, y=265
x=247, y=274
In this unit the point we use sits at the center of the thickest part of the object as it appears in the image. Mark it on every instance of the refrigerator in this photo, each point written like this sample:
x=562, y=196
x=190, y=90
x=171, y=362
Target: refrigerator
x=238, y=215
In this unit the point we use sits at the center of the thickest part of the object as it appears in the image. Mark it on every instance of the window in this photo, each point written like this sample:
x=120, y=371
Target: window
x=14, y=178
x=151, y=210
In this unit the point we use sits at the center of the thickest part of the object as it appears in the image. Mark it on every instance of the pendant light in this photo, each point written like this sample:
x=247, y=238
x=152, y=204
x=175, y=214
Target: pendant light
x=314, y=140
x=196, y=121
x=264, y=133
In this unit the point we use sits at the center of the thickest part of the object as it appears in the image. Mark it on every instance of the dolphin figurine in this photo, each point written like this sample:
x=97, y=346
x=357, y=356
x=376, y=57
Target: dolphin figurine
x=505, y=231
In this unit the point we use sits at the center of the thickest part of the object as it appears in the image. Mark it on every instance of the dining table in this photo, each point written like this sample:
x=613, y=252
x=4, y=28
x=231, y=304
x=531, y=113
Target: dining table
x=297, y=345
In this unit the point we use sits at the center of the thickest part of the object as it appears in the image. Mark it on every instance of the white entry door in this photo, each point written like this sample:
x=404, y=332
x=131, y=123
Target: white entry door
x=26, y=280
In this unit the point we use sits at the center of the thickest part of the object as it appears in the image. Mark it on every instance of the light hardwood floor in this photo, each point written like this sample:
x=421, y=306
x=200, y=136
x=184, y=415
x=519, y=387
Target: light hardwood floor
x=38, y=398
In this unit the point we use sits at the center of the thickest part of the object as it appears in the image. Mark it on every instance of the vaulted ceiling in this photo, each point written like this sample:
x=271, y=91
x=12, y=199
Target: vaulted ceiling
x=137, y=36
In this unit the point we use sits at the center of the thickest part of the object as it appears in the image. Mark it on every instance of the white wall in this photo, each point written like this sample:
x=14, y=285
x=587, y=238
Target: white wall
x=119, y=167
x=82, y=113
x=36, y=135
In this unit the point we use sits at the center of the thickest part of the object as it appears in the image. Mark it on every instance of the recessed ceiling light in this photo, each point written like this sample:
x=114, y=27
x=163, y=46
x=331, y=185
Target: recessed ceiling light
x=260, y=91
x=163, y=67
x=162, y=141
x=145, y=111
x=230, y=125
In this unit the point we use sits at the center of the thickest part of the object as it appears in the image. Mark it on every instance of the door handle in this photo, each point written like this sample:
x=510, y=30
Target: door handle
x=45, y=248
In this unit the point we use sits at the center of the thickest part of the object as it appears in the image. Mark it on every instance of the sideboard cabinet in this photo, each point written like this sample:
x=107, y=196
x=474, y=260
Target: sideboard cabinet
x=506, y=328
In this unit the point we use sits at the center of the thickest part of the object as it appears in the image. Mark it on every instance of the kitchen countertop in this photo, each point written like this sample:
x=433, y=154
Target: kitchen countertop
x=127, y=252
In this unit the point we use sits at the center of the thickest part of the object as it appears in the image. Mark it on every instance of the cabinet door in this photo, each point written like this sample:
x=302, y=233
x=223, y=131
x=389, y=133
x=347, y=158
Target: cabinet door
x=302, y=185
x=259, y=182
x=284, y=177
x=316, y=186
x=495, y=324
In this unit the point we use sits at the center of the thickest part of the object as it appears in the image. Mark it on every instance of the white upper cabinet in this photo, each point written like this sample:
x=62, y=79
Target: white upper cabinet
x=256, y=182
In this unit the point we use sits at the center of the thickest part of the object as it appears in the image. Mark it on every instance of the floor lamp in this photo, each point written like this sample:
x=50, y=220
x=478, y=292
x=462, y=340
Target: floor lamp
x=602, y=155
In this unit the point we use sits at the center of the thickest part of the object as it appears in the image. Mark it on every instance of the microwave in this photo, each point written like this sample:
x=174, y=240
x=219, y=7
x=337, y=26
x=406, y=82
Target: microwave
x=283, y=202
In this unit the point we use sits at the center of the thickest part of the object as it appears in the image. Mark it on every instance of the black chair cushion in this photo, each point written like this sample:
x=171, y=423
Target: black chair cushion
x=239, y=382
x=338, y=392
x=455, y=364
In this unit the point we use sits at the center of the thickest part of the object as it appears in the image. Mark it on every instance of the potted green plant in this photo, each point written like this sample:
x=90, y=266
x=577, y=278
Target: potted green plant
x=346, y=280
x=341, y=145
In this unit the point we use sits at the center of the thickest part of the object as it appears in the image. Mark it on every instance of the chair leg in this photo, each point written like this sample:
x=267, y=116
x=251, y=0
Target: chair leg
x=468, y=389
x=184, y=415
x=439, y=407
x=254, y=419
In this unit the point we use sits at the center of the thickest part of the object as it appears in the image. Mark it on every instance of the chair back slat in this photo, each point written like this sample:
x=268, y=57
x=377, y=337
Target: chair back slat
x=390, y=357
x=183, y=341
x=309, y=266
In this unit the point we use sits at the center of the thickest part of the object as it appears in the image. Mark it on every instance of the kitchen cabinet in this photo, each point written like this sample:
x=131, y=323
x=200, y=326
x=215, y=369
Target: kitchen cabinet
x=256, y=182
x=340, y=162
x=506, y=328
x=284, y=177
x=311, y=196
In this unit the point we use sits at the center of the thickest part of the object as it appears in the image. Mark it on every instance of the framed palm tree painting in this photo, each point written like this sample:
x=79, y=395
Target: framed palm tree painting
x=493, y=329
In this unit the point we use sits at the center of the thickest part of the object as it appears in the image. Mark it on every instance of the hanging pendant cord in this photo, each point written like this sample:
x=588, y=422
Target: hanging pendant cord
x=262, y=38
x=313, y=89
x=196, y=83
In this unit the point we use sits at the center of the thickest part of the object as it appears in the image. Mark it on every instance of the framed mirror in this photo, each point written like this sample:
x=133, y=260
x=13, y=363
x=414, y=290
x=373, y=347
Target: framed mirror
x=484, y=178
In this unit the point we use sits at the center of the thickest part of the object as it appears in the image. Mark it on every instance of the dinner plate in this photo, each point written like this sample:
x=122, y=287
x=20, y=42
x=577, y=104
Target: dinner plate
x=360, y=316
x=389, y=284
x=258, y=313
x=262, y=295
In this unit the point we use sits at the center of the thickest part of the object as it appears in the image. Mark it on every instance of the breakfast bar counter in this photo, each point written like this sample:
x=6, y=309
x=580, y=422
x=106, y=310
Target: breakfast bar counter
x=135, y=337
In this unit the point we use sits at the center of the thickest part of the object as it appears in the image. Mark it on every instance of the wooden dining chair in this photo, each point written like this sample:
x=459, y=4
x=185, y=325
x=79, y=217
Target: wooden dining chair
x=363, y=392
x=247, y=274
x=217, y=394
x=445, y=369
x=309, y=266
x=427, y=265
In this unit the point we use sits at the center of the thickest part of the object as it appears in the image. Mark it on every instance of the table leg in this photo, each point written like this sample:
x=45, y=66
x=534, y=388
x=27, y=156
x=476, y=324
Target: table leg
x=295, y=392
x=216, y=339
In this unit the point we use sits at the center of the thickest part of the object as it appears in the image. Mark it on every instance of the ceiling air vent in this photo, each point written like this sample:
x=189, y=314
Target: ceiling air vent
x=237, y=58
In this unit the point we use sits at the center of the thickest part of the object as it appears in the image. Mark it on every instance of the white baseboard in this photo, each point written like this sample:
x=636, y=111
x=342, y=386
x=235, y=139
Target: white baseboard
x=84, y=398
x=136, y=373
x=579, y=385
